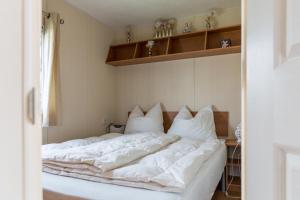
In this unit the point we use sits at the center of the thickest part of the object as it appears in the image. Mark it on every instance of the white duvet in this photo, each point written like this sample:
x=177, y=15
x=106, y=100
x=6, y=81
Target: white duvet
x=150, y=160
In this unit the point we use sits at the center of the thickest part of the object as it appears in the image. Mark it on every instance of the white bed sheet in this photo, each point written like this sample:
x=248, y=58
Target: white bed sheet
x=201, y=188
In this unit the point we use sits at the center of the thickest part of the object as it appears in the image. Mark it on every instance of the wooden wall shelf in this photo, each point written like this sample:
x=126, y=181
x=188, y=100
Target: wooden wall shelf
x=191, y=45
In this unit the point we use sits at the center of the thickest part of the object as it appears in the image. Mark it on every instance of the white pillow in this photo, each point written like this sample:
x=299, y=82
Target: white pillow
x=202, y=126
x=151, y=122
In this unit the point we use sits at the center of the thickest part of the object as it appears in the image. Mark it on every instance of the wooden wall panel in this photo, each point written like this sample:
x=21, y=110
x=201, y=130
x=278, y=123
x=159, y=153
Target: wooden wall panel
x=194, y=82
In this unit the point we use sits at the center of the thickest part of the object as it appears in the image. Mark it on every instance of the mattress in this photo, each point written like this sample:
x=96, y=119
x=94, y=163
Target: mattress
x=202, y=186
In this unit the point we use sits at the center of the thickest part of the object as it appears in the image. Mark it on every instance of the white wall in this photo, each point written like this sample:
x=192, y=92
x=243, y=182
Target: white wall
x=194, y=82
x=226, y=17
x=87, y=83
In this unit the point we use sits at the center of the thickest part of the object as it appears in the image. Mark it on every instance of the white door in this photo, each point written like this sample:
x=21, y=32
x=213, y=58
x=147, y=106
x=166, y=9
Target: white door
x=20, y=141
x=273, y=100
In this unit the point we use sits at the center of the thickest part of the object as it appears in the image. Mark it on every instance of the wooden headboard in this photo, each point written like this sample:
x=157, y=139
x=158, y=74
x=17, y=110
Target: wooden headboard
x=221, y=121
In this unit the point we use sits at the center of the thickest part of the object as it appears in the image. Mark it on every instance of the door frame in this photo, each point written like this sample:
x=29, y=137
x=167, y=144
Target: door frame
x=244, y=97
x=32, y=132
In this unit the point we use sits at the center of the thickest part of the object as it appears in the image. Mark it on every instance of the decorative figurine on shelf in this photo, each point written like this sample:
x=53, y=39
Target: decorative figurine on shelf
x=187, y=27
x=129, y=33
x=210, y=21
x=169, y=30
x=150, y=45
x=171, y=26
x=157, y=26
x=164, y=28
x=225, y=43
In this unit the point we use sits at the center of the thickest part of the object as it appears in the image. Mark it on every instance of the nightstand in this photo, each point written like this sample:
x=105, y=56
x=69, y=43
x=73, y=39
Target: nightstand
x=233, y=166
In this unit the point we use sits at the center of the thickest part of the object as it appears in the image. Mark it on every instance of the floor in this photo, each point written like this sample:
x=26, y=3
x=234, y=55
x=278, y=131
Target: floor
x=221, y=196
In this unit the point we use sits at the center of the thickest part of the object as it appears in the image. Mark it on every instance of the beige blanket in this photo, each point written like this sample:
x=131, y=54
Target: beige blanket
x=150, y=160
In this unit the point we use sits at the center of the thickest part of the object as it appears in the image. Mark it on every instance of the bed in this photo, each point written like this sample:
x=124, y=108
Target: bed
x=201, y=187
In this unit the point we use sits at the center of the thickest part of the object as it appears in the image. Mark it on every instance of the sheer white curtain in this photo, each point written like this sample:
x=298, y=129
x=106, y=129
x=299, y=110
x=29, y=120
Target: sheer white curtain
x=49, y=68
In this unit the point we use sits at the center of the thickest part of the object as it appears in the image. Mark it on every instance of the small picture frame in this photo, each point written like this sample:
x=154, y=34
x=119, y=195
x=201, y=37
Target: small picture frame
x=225, y=43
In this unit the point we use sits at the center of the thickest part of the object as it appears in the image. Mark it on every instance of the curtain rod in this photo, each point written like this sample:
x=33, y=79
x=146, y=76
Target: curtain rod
x=61, y=21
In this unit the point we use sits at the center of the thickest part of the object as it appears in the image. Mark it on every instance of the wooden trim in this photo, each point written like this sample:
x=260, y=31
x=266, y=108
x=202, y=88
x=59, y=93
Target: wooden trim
x=109, y=55
x=232, y=143
x=205, y=41
x=168, y=46
x=135, y=50
x=177, y=56
x=51, y=195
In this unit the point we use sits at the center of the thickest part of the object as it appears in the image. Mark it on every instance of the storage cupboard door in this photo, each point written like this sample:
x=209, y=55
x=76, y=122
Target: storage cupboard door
x=273, y=96
x=20, y=141
x=32, y=135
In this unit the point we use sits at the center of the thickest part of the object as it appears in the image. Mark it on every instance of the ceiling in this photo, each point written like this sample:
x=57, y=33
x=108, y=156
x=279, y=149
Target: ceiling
x=119, y=13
